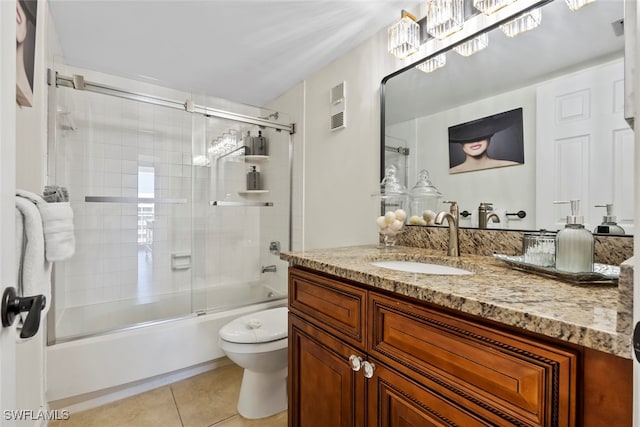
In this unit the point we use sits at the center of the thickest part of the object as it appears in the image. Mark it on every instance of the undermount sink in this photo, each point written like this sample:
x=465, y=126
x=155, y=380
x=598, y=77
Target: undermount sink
x=421, y=267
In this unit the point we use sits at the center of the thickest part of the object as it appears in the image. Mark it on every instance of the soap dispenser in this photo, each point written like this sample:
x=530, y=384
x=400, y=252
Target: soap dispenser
x=608, y=225
x=259, y=145
x=574, y=244
x=253, y=179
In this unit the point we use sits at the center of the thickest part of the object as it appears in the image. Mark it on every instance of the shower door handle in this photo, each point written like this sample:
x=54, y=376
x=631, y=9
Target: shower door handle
x=13, y=305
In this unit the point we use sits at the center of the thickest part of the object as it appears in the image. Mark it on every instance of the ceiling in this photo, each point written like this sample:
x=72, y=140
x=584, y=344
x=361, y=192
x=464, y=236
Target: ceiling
x=248, y=51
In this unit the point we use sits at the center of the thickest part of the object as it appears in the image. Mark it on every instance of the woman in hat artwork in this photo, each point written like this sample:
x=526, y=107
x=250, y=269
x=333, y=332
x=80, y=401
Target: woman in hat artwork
x=25, y=50
x=490, y=142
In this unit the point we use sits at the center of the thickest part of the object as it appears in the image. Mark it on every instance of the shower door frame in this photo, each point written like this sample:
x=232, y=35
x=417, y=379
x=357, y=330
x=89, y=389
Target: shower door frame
x=77, y=82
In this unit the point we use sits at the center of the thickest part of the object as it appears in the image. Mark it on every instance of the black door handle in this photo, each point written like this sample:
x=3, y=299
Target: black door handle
x=12, y=305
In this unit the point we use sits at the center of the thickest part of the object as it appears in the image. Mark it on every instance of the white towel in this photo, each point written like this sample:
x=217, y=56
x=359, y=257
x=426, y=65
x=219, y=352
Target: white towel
x=59, y=240
x=34, y=271
x=57, y=222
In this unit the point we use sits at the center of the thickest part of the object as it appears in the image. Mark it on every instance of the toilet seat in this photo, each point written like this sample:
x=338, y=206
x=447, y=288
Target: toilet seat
x=253, y=348
x=261, y=327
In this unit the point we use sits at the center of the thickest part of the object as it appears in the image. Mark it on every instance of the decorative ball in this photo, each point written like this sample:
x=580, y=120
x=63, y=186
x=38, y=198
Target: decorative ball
x=429, y=216
x=401, y=215
x=390, y=217
x=396, y=225
x=415, y=220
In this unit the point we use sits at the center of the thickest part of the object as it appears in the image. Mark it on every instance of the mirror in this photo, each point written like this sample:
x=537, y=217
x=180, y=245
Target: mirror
x=576, y=143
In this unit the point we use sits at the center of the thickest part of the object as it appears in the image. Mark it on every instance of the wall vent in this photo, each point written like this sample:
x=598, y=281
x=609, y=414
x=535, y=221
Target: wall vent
x=338, y=107
x=337, y=121
x=337, y=93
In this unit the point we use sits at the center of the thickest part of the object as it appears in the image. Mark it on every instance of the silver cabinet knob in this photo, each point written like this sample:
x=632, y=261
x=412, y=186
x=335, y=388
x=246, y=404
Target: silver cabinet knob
x=355, y=362
x=368, y=369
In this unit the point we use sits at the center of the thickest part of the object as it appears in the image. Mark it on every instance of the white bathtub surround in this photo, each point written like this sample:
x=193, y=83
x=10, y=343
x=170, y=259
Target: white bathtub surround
x=91, y=364
x=87, y=320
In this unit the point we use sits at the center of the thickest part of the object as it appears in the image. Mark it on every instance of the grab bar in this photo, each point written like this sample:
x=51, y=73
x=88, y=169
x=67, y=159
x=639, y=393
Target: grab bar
x=115, y=199
x=223, y=203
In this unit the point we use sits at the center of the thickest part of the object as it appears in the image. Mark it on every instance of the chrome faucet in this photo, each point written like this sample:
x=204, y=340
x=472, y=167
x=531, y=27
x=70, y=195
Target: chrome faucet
x=452, y=219
x=485, y=215
x=269, y=268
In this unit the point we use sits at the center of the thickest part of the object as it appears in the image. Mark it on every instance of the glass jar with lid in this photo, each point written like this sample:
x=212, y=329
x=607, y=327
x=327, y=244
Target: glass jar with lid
x=425, y=199
x=391, y=204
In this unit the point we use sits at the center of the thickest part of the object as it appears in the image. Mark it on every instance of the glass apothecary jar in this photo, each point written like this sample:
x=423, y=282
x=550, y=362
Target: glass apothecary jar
x=425, y=200
x=391, y=203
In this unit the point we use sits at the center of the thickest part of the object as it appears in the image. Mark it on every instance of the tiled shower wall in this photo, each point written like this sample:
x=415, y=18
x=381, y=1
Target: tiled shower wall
x=114, y=141
x=119, y=255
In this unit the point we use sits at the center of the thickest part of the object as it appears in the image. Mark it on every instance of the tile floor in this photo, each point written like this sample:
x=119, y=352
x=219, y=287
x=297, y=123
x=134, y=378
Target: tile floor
x=205, y=400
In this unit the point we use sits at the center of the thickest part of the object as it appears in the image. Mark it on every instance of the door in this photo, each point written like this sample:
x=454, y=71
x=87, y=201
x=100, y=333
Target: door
x=397, y=401
x=323, y=388
x=584, y=148
x=7, y=204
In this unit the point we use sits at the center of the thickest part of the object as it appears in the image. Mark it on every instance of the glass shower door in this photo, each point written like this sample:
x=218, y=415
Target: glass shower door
x=241, y=224
x=127, y=167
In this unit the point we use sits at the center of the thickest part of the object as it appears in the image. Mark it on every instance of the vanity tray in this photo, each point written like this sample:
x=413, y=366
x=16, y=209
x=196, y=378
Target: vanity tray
x=603, y=274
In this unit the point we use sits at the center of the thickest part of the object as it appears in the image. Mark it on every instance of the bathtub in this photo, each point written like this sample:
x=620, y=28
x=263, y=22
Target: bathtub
x=109, y=360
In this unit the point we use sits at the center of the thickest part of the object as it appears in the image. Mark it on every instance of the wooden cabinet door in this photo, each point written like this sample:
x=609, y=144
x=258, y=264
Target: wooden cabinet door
x=397, y=401
x=503, y=377
x=323, y=389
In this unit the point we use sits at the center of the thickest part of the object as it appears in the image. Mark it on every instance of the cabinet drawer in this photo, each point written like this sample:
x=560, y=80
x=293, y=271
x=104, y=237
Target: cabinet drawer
x=332, y=305
x=506, y=378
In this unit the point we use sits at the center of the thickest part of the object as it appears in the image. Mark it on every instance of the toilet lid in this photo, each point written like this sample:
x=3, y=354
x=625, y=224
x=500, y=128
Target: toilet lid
x=263, y=326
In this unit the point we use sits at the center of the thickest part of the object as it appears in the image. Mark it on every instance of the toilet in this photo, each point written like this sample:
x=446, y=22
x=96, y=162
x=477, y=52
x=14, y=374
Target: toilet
x=257, y=342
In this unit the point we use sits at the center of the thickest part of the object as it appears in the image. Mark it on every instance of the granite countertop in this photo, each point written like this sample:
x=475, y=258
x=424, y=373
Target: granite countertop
x=593, y=316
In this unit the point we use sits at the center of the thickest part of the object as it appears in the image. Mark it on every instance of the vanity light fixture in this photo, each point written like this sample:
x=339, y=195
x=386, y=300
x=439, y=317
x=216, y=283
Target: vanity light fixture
x=489, y=7
x=444, y=17
x=522, y=23
x=433, y=64
x=577, y=4
x=403, y=37
x=472, y=46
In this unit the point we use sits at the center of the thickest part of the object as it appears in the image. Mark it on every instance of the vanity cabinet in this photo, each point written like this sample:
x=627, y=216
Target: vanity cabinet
x=362, y=357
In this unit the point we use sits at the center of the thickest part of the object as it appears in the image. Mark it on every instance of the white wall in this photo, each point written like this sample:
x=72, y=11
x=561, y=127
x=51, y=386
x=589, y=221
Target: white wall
x=341, y=168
